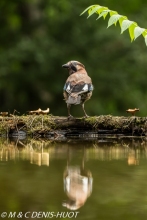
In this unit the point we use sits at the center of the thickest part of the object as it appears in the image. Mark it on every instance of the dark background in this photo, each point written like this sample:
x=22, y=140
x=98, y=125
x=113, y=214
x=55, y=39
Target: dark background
x=38, y=36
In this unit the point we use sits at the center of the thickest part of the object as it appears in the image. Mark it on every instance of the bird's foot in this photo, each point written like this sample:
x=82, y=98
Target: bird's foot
x=70, y=117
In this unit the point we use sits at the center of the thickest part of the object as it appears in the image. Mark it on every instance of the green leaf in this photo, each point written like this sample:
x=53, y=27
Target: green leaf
x=134, y=30
x=94, y=9
x=138, y=31
x=125, y=25
x=102, y=9
x=131, y=30
x=146, y=40
x=88, y=9
x=144, y=33
x=104, y=14
x=113, y=13
x=122, y=19
x=113, y=19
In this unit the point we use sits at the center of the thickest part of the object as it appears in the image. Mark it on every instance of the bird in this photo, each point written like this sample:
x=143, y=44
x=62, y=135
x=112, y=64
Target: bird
x=132, y=111
x=78, y=186
x=78, y=87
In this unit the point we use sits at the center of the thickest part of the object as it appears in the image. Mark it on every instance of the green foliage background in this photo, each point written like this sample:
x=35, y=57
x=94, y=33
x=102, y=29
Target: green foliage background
x=37, y=37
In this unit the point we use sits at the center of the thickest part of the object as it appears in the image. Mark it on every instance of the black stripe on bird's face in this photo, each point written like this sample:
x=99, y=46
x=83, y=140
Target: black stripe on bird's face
x=73, y=66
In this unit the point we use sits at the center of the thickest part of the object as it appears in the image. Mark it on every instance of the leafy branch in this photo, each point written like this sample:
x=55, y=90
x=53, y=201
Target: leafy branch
x=134, y=30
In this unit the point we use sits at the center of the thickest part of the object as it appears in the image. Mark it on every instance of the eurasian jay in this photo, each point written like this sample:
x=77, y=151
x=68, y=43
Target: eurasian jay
x=78, y=87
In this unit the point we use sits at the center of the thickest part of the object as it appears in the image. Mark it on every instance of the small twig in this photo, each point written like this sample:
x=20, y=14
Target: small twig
x=42, y=122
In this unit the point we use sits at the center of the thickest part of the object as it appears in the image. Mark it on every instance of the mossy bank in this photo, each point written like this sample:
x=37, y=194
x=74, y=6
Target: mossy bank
x=48, y=125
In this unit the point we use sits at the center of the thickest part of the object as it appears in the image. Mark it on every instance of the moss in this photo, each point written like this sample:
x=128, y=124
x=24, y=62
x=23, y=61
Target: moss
x=41, y=124
x=91, y=120
x=30, y=123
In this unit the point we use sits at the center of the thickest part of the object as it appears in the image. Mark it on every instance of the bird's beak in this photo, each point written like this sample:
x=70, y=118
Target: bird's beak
x=65, y=66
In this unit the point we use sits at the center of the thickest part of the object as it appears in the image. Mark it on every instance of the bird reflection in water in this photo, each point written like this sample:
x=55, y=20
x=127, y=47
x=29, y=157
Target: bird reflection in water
x=77, y=185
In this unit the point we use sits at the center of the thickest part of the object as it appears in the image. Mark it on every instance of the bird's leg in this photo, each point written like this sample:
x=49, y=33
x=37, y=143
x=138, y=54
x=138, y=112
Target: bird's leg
x=84, y=111
x=68, y=109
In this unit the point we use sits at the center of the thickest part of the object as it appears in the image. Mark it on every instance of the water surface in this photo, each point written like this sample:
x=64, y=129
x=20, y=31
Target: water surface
x=101, y=179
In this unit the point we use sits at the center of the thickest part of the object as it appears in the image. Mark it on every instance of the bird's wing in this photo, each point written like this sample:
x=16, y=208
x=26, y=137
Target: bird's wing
x=77, y=83
x=80, y=87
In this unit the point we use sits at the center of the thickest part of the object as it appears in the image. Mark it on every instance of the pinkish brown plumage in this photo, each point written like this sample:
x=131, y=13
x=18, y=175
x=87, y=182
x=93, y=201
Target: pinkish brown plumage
x=78, y=87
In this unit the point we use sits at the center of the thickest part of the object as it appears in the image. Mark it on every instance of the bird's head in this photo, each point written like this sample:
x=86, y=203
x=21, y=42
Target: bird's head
x=73, y=66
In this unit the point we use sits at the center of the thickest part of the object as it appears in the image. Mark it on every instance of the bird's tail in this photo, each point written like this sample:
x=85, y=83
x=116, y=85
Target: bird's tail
x=73, y=99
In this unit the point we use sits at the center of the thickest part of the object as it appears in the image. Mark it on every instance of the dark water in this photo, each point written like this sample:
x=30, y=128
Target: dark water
x=92, y=179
